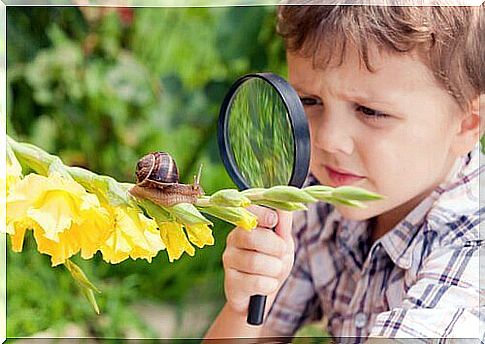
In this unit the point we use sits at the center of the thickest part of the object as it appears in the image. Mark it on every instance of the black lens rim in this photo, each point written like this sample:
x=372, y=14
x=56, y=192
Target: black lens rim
x=298, y=122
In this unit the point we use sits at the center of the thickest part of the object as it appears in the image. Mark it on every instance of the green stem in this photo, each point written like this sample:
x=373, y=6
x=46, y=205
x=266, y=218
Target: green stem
x=32, y=156
x=43, y=163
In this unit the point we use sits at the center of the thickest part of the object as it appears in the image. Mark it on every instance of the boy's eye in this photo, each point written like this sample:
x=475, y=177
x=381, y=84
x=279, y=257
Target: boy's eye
x=309, y=101
x=370, y=113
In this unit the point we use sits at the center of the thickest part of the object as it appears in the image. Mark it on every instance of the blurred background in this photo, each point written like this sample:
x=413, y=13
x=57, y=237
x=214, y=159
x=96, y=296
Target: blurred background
x=101, y=87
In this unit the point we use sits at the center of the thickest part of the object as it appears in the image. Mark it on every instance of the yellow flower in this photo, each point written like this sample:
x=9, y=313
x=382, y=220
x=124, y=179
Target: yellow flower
x=172, y=234
x=134, y=235
x=177, y=242
x=13, y=174
x=247, y=220
x=64, y=217
x=200, y=235
x=17, y=230
x=235, y=215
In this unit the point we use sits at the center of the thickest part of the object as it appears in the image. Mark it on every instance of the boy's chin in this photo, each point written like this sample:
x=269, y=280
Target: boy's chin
x=356, y=214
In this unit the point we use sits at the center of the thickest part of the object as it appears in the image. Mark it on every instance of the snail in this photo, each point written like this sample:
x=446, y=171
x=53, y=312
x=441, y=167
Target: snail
x=157, y=179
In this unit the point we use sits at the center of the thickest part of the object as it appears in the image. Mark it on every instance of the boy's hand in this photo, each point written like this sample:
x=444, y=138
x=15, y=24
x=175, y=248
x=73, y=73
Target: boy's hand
x=258, y=261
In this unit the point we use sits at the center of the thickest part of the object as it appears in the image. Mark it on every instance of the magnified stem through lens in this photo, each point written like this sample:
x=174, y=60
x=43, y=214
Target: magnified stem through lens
x=260, y=135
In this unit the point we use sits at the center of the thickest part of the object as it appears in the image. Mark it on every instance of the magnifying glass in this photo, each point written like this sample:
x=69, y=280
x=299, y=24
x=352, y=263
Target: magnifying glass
x=264, y=141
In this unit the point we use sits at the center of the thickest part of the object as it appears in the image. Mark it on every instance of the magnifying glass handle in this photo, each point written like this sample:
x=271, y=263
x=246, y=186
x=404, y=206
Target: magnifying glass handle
x=256, y=309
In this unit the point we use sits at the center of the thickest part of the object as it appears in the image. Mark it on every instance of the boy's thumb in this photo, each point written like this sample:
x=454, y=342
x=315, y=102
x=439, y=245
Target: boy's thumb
x=283, y=228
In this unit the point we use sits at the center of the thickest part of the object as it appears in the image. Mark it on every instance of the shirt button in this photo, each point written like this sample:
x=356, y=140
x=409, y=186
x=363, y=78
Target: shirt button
x=360, y=320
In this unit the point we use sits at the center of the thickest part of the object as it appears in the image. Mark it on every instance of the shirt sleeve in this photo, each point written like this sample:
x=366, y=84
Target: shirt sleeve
x=444, y=302
x=297, y=301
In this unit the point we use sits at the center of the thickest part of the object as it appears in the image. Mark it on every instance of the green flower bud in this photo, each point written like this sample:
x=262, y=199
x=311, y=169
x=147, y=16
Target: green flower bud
x=105, y=187
x=355, y=193
x=187, y=213
x=229, y=198
x=203, y=201
x=156, y=212
x=79, y=276
x=288, y=206
x=235, y=215
x=254, y=193
x=89, y=295
x=320, y=192
x=283, y=193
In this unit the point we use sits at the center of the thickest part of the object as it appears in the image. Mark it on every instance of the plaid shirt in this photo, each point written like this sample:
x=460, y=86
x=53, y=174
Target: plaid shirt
x=420, y=280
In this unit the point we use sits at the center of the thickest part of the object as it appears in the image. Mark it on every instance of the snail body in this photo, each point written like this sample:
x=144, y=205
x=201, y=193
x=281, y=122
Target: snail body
x=157, y=179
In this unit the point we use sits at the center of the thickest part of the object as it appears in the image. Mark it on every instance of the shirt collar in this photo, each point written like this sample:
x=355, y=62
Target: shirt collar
x=398, y=242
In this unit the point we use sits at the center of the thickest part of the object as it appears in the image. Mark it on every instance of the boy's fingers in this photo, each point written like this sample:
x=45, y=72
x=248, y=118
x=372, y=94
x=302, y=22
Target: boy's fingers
x=254, y=263
x=259, y=239
x=251, y=284
x=283, y=228
x=267, y=218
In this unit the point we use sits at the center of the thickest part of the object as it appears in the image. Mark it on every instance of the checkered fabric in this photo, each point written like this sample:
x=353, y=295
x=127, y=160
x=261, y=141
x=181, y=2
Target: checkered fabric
x=419, y=280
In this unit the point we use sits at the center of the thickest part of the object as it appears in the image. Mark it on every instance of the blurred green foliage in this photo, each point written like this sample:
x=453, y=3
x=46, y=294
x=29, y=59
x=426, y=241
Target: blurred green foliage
x=102, y=87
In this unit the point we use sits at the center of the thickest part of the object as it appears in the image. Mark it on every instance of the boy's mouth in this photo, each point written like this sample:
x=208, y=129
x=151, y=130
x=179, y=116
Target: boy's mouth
x=341, y=177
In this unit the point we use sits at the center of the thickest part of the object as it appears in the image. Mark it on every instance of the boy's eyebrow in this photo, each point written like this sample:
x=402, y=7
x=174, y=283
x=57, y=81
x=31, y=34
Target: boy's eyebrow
x=298, y=89
x=367, y=98
x=356, y=97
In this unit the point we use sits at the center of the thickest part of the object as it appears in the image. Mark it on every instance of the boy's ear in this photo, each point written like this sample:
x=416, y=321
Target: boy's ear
x=472, y=127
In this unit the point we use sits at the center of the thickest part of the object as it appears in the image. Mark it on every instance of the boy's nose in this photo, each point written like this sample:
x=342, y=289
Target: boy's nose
x=333, y=134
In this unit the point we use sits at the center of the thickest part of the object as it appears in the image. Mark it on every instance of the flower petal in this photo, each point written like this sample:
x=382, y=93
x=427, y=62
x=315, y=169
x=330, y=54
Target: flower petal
x=54, y=214
x=200, y=235
x=59, y=251
x=174, y=238
x=132, y=236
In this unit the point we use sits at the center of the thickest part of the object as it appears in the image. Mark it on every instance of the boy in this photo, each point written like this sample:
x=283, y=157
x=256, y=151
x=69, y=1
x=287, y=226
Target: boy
x=392, y=96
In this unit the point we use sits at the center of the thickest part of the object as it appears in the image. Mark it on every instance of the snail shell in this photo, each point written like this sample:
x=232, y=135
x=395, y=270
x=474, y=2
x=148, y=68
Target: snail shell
x=157, y=180
x=156, y=169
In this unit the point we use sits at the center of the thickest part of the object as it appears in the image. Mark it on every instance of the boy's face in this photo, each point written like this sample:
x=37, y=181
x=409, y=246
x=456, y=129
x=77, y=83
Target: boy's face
x=389, y=131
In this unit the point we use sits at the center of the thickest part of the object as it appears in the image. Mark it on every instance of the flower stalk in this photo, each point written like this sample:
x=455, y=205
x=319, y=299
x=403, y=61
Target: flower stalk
x=227, y=205
x=87, y=288
x=72, y=210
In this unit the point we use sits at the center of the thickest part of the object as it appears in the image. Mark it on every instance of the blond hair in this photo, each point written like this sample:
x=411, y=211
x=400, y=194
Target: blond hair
x=447, y=38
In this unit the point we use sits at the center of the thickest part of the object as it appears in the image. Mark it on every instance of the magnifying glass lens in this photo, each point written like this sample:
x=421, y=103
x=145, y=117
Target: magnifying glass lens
x=264, y=141
x=260, y=135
